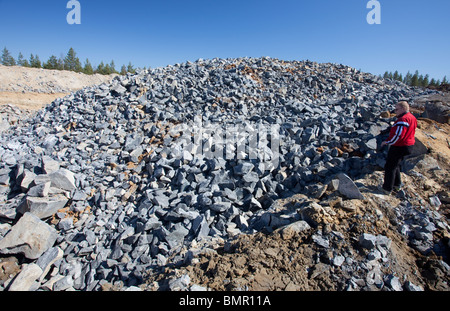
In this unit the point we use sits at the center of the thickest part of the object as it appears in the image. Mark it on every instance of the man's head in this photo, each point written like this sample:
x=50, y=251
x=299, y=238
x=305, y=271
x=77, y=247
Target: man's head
x=401, y=108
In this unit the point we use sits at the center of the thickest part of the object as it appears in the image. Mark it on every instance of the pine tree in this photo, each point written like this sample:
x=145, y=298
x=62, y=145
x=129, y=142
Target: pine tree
x=415, y=79
x=420, y=81
x=112, y=67
x=72, y=62
x=35, y=62
x=123, y=70
x=426, y=80
x=7, y=59
x=408, y=78
x=88, y=68
x=100, y=68
x=21, y=61
x=444, y=81
x=52, y=63
x=60, y=63
x=130, y=68
x=396, y=75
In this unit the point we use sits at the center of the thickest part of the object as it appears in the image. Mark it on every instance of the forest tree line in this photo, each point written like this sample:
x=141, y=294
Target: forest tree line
x=70, y=62
x=416, y=79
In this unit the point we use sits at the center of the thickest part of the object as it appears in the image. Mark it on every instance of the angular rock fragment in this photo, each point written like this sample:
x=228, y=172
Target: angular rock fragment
x=43, y=207
x=29, y=236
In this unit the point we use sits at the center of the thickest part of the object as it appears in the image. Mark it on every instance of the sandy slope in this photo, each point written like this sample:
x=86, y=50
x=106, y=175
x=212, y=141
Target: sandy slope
x=33, y=88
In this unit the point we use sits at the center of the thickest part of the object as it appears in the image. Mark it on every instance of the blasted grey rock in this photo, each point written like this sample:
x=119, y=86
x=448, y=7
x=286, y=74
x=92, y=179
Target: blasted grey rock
x=49, y=165
x=26, y=279
x=220, y=207
x=180, y=284
x=177, y=192
x=27, y=179
x=243, y=168
x=295, y=227
x=40, y=190
x=394, y=283
x=43, y=207
x=47, y=259
x=63, y=179
x=29, y=236
x=348, y=188
x=367, y=240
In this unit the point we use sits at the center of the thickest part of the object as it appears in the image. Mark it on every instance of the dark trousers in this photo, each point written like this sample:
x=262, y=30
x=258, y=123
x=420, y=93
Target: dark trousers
x=393, y=166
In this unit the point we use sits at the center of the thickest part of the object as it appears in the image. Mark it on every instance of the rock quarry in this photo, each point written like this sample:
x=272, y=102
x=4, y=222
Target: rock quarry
x=221, y=174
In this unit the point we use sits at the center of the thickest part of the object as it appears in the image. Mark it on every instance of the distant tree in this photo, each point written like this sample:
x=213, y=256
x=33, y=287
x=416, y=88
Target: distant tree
x=408, y=78
x=21, y=61
x=72, y=62
x=415, y=79
x=130, y=68
x=433, y=82
x=420, y=80
x=444, y=81
x=396, y=75
x=100, y=68
x=7, y=59
x=88, y=68
x=123, y=70
x=107, y=70
x=52, y=63
x=112, y=67
x=60, y=62
x=35, y=62
x=426, y=80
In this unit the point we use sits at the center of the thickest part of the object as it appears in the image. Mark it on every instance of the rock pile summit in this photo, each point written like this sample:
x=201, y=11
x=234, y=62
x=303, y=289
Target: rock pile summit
x=114, y=181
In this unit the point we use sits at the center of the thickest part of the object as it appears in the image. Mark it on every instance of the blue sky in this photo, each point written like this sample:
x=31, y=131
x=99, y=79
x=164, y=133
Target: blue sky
x=413, y=35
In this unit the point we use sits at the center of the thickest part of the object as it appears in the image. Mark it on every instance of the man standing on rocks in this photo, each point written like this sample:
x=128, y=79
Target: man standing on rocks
x=401, y=140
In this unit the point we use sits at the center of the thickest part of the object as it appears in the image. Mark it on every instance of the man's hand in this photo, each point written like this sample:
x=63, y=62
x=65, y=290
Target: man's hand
x=383, y=144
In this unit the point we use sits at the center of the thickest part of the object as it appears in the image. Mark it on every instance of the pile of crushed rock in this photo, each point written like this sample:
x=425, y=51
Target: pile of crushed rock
x=170, y=167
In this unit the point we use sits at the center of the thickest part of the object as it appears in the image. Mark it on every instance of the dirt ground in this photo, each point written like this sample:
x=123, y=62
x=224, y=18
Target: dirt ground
x=33, y=88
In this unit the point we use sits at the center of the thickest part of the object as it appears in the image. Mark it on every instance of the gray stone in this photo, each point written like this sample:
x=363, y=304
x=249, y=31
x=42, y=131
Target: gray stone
x=41, y=190
x=180, y=284
x=220, y=207
x=412, y=287
x=43, y=207
x=371, y=144
x=49, y=165
x=243, y=168
x=47, y=259
x=27, y=178
x=348, y=188
x=338, y=260
x=26, y=279
x=367, y=240
x=295, y=227
x=8, y=211
x=394, y=283
x=65, y=224
x=321, y=241
x=63, y=179
x=63, y=284
x=29, y=236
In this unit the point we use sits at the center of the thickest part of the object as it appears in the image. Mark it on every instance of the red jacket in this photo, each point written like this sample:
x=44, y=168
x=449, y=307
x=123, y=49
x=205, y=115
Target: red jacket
x=403, y=131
